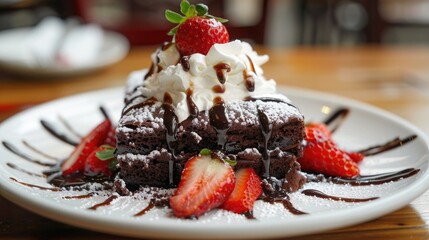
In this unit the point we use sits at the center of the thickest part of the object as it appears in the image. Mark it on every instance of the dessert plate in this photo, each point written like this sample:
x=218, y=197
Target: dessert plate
x=364, y=126
x=113, y=49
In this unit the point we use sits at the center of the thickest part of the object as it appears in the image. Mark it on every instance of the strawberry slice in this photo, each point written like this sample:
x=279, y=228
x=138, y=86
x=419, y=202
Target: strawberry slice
x=111, y=137
x=247, y=189
x=322, y=155
x=205, y=184
x=99, y=165
x=76, y=161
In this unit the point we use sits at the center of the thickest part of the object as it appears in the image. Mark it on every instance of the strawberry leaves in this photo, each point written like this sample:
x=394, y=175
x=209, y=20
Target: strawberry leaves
x=188, y=10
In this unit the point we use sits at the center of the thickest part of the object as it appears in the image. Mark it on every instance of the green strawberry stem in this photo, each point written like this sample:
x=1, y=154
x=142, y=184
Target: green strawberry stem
x=107, y=153
x=188, y=10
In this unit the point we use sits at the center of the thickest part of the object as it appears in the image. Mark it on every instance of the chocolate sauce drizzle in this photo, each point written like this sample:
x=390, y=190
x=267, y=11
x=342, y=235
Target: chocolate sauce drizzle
x=61, y=136
x=218, y=88
x=394, y=143
x=106, y=202
x=336, y=118
x=219, y=121
x=40, y=152
x=55, y=189
x=249, y=81
x=319, y=194
x=184, y=61
x=171, y=124
x=220, y=69
x=15, y=150
x=376, y=179
x=192, y=107
x=266, y=130
x=13, y=166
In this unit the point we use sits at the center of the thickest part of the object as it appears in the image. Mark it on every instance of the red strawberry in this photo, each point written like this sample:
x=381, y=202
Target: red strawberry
x=76, y=161
x=321, y=127
x=96, y=166
x=199, y=34
x=197, y=31
x=356, y=157
x=323, y=156
x=247, y=190
x=111, y=137
x=205, y=184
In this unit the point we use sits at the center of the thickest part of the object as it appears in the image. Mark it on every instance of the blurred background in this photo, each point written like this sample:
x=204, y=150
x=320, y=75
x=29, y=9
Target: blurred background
x=270, y=22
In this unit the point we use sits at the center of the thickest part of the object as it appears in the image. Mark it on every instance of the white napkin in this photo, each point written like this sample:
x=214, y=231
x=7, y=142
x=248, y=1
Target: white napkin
x=53, y=43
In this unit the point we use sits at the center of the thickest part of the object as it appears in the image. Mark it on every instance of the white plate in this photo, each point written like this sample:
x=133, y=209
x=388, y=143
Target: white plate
x=365, y=126
x=115, y=47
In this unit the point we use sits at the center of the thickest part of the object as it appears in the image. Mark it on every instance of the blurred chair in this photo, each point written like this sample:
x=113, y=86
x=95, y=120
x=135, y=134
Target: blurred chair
x=143, y=22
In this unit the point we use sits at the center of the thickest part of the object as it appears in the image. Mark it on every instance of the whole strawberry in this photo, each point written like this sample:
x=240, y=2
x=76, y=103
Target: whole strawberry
x=197, y=31
x=322, y=155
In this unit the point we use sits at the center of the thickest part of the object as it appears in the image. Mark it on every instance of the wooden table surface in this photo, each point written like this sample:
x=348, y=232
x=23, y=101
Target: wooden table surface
x=393, y=78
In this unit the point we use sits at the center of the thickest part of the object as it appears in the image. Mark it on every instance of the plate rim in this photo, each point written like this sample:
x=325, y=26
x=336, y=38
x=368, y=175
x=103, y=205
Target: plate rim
x=31, y=71
x=151, y=229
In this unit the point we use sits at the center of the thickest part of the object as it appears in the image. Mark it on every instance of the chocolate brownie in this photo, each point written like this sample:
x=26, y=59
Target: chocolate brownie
x=263, y=133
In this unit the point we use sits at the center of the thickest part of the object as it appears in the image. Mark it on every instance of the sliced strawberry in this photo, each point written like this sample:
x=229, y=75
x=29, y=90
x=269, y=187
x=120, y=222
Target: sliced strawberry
x=197, y=31
x=76, y=161
x=205, y=184
x=322, y=155
x=96, y=166
x=247, y=189
x=111, y=137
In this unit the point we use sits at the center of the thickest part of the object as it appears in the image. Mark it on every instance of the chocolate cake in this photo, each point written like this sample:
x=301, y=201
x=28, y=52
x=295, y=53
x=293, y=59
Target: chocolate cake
x=220, y=101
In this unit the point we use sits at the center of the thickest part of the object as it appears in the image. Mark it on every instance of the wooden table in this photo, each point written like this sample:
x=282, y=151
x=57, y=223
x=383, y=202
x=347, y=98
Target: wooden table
x=393, y=78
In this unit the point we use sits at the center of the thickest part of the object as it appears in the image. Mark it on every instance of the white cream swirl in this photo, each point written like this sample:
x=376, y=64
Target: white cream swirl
x=201, y=77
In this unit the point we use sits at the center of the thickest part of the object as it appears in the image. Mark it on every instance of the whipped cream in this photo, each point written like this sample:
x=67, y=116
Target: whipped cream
x=201, y=77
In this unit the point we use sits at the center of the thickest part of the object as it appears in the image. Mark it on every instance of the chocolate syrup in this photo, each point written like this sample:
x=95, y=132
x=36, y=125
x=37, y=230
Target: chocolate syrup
x=13, y=166
x=106, y=202
x=151, y=71
x=376, y=179
x=219, y=121
x=192, y=107
x=266, y=130
x=184, y=61
x=35, y=186
x=15, y=150
x=149, y=101
x=69, y=127
x=397, y=142
x=289, y=206
x=218, y=88
x=146, y=209
x=171, y=124
x=249, y=81
x=339, y=116
x=40, y=152
x=220, y=69
x=252, y=66
x=61, y=136
x=319, y=194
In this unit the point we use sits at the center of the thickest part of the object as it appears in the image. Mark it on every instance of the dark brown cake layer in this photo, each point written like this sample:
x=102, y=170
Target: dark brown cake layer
x=152, y=169
x=258, y=131
x=142, y=130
